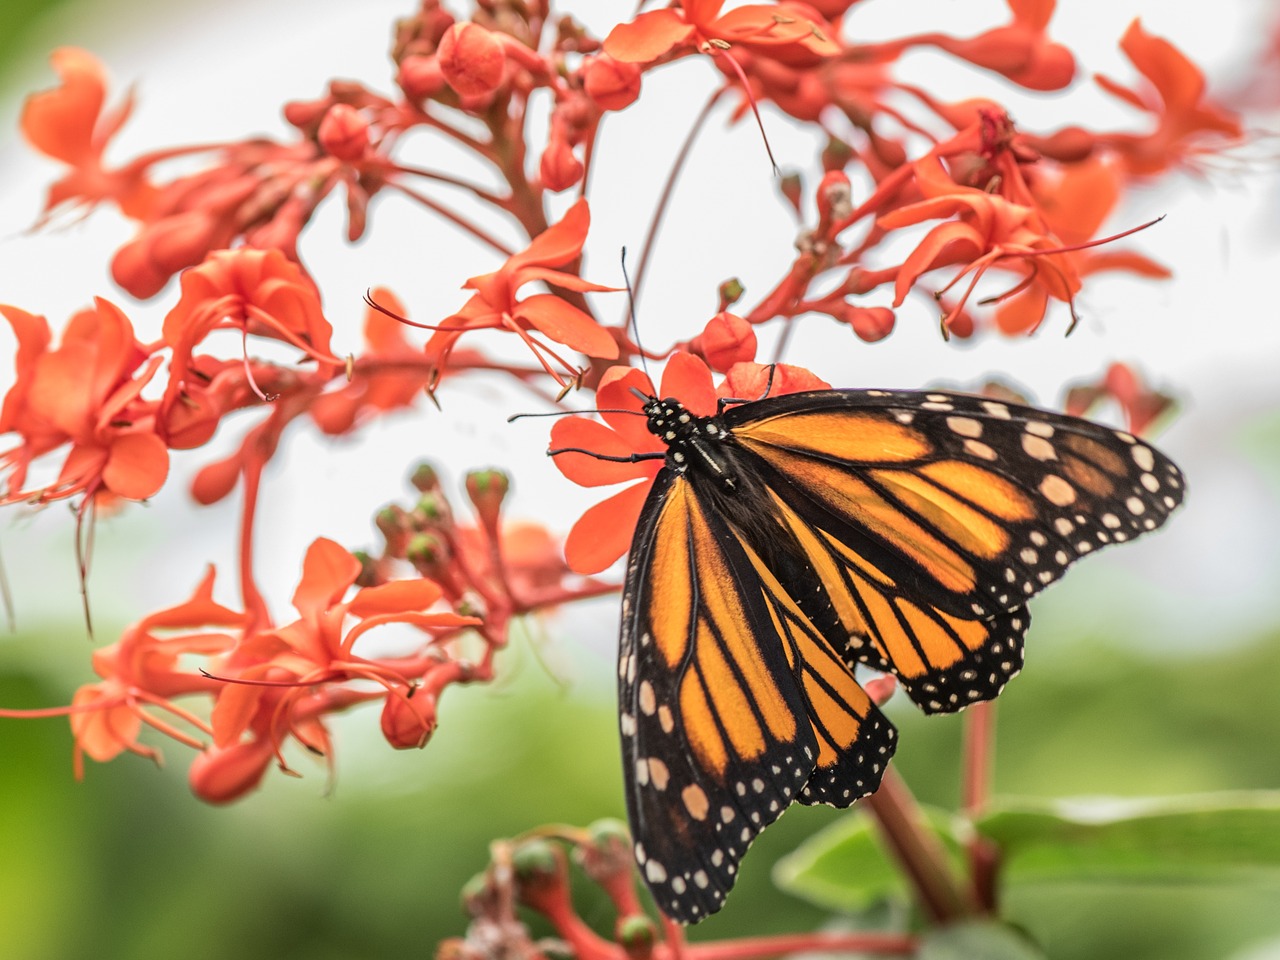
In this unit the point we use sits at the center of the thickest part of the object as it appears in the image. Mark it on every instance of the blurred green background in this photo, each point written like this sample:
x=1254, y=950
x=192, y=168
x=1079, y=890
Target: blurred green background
x=128, y=866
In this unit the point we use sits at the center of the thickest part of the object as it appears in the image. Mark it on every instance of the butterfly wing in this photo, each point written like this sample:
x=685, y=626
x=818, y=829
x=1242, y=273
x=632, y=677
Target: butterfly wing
x=732, y=704
x=930, y=519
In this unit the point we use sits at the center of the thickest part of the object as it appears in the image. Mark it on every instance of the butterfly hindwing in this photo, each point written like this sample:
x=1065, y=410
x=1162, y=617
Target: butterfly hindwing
x=731, y=703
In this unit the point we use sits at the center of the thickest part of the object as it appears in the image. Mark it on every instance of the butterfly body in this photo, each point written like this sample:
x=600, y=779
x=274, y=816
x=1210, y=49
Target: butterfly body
x=788, y=541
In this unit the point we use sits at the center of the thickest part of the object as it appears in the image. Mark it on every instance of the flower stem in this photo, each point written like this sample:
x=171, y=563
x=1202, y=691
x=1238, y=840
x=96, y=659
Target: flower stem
x=918, y=850
x=979, y=755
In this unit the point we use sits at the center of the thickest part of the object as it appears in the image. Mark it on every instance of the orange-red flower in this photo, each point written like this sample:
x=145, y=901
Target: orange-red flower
x=786, y=31
x=68, y=123
x=290, y=677
x=257, y=292
x=85, y=394
x=496, y=303
x=1186, y=123
x=603, y=533
x=1020, y=51
x=988, y=230
x=145, y=668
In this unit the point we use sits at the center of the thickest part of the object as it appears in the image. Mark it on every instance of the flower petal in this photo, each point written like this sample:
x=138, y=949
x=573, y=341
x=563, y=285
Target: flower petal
x=614, y=392
x=397, y=596
x=604, y=532
x=104, y=733
x=137, y=465
x=60, y=122
x=647, y=37
x=565, y=323
x=688, y=379
x=558, y=244
x=590, y=471
x=327, y=571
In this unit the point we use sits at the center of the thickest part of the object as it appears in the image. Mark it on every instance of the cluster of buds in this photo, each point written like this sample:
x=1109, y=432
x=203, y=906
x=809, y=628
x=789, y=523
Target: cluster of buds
x=533, y=872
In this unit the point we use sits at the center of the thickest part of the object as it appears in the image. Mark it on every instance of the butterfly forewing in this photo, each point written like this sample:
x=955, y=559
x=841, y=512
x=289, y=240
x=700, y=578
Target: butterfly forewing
x=731, y=703
x=972, y=505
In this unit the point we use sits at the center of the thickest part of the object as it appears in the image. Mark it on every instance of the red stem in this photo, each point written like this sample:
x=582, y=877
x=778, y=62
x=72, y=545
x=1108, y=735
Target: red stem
x=888, y=944
x=917, y=850
x=979, y=755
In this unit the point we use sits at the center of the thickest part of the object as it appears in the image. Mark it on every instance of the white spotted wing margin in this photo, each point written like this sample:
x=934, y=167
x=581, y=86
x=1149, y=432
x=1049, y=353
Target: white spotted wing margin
x=731, y=705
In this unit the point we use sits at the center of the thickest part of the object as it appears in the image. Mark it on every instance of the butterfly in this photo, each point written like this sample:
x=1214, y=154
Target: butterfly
x=786, y=542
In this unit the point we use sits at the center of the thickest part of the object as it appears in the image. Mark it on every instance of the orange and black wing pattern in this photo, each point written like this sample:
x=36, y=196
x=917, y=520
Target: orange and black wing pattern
x=732, y=703
x=929, y=519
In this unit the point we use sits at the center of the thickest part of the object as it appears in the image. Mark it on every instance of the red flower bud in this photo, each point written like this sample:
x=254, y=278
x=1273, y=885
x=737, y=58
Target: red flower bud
x=344, y=133
x=420, y=77
x=472, y=59
x=559, y=168
x=220, y=775
x=144, y=265
x=869, y=323
x=408, y=720
x=725, y=340
x=612, y=84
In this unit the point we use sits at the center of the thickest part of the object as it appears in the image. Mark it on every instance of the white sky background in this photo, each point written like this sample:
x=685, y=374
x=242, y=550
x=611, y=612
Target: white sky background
x=210, y=72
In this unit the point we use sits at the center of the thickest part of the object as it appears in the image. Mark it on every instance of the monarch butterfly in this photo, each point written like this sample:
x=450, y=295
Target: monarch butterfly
x=787, y=540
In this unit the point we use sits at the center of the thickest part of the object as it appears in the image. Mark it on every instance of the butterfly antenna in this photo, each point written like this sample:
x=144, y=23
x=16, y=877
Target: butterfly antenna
x=573, y=413
x=631, y=312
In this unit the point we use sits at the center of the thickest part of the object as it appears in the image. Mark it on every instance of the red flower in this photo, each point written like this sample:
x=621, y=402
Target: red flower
x=68, y=124
x=84, y=393
x=604, y=532
x=787, y=31
x=989, y=230
x=292, y=676
x=257, y=292
x=1020, y=51
x=497, y=305
x=144, y=669
x=1186, y=123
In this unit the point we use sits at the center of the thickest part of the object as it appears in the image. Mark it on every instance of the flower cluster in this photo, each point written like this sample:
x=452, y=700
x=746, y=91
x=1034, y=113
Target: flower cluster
x=912, y=194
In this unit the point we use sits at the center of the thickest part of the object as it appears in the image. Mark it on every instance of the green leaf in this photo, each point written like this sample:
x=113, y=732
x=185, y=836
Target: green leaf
x=988, y=940
x=1211, y=838
x=846, y=866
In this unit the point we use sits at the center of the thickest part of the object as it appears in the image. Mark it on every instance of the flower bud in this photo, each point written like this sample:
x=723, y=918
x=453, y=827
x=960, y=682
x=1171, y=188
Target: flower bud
x=487, y=489
x=220, y=775
x=472, y=59
x=559, y=168
x=420, y=77
x=344, y=133
x=408, y=719
x=425, y=478
x=636, y=935
x=869, y=323
x=725, y=340
x=610, y=83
